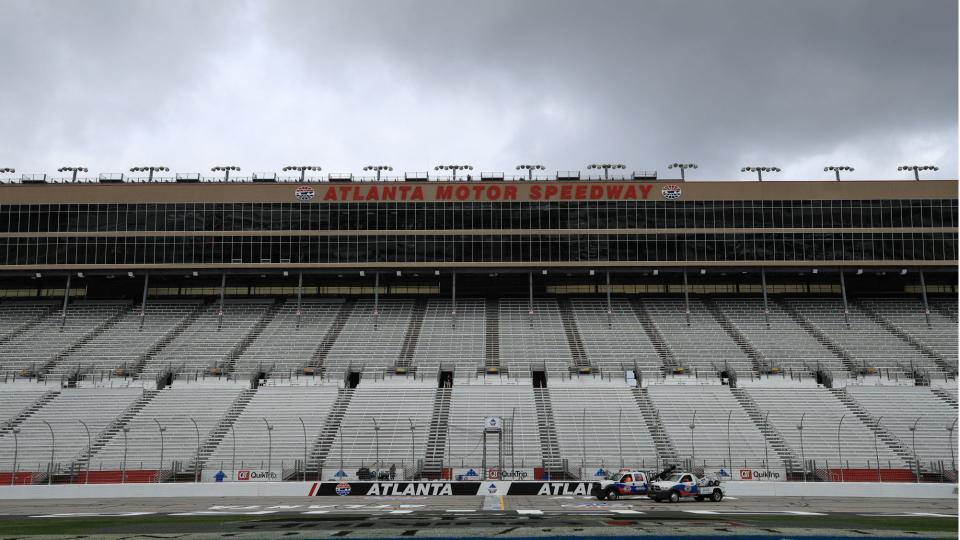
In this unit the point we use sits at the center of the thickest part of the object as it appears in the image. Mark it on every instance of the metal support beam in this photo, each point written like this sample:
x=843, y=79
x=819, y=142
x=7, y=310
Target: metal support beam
x=300, y=305
x=686, y=297
x=66, y=297
x=843, y=292
x=453, y=299
x=376, y=300
x=766, y=306
x=530, y=297
x=923, y=291
x=143, y=301
x=609, y=302
x=223, y=291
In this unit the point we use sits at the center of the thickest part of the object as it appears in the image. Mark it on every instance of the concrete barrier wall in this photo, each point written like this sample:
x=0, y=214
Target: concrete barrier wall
x=304, y=489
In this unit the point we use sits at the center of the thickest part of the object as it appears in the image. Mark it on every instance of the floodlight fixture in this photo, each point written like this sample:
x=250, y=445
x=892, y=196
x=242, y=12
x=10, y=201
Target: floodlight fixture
x=226, y=170
x=760, y=170
x=378, y=169
x=606, y=168
x=453, y=169
x=530, y=169
x=73, y=171
x=149, y=170
x=917, y=168
x=836, y=169
x=303, y=170
x=683, y=167
x=7, y=170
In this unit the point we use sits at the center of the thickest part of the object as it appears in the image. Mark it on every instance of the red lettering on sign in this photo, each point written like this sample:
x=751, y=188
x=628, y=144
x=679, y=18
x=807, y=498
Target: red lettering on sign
x=510, y=193
x=389, y=193
x=403, y=192
x=373, y=194
x=330, y=195
x=645, y=190
x=493, y=192
x=417, y=194
x=630, y=192
x=444, y=193
x=581, y=192
x=565, y=192
x=462, y=193
x=477, y=192
x=356, y=193
x=613, y=192
x=596, y=192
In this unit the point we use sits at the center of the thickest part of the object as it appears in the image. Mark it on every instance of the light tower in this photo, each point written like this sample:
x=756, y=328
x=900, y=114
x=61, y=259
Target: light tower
x=378, y=169
x=149, y=170
x=453, y=169
x=226, y=170
x=683, y=167
x=530, y=169
x=917, y=168
x=303, y=170
x=836, y=169
x=73, y=170
x=606, y=168
x=760, y=171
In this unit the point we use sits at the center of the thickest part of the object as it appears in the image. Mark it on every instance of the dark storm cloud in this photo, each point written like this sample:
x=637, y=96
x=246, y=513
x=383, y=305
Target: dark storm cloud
x=798, y=84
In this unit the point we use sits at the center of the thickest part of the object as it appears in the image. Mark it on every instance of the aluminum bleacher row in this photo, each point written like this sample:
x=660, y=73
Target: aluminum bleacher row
x=319, y=428
x=650, y=336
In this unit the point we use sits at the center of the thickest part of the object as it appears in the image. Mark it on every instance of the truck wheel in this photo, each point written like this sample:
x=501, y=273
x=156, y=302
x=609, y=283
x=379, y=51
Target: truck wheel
x=612, y=495
x=674, y=497
x=717, y=496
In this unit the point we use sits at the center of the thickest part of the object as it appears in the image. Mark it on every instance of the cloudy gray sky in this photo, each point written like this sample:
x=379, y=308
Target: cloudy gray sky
x=724, y=83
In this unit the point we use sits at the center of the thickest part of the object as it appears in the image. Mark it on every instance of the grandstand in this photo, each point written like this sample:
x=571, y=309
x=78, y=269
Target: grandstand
x=325, y=336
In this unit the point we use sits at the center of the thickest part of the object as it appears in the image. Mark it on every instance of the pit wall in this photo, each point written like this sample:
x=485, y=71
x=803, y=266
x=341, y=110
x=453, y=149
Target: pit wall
x=306, y=489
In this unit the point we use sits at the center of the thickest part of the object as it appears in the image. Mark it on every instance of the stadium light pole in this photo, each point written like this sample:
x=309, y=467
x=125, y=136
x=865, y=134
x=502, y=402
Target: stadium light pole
x=606, y=168
x=376, y=436
x=123, y=469
x=149, y=170
x=760, y=171
x=53, y=448
x=836, y=169
x=766, y=446
x=453, y=169
x=876, y=448
x=233, y=462
x=302, y=169
x=683, y=167
x=530, y=169
x=917, y=168
x=73, y=171
x=304, y=428
x=5, y=170
x=378, y=169
x=839, y=450
x=160, y=429
x=729, y=452
x=803, y=457
x=693, y=447
x=16, y=450
x=913, y=445
x=225, y=169
x=619, y=435
x=950, y=428
x=196, y=468
x=269, y=445
x=89, y=446
x=413, y=449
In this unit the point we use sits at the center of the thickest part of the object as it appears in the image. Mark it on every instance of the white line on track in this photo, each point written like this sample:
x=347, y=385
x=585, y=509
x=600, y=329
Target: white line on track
x=460, y=510
x=400, y=512
x=741, y=513
x=909, y=514
x=315, y=512
x=530, y=512
x=625, y=512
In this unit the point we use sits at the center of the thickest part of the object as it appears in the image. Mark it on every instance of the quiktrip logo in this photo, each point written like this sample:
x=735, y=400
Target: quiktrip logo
x=305, y=193
x=671, y=192
x=746, y=474
x=343, y=489
x=243, y=475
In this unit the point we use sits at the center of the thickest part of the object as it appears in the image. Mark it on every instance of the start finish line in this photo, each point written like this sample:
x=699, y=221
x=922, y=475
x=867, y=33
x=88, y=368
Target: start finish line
x=433, y=489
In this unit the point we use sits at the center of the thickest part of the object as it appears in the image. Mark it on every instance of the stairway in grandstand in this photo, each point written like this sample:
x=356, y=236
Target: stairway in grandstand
x=119, y=423
x=17, y=318
x=492, y=349
x=931, y=356
x=118, y=312
x=829, y=344
x=759, y=361
x=171, y=335
x=946, y=396
x=412, y=335
x=320, y=450
x=667, y=358
x=268, y=315
x=574, y=341
x=14, y=420
x=666, y=453
x=437, y=438
x=217, y=434
x=773, y=437
x=889, y=439
x=549, y=444
x=320, y=355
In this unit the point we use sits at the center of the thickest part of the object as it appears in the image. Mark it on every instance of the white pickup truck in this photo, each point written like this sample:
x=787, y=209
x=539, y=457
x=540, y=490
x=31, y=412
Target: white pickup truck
x=625, y=483
x=684, y=485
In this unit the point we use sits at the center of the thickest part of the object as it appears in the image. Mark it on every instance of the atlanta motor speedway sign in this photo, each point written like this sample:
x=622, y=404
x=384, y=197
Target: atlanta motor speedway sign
x=424, y=489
